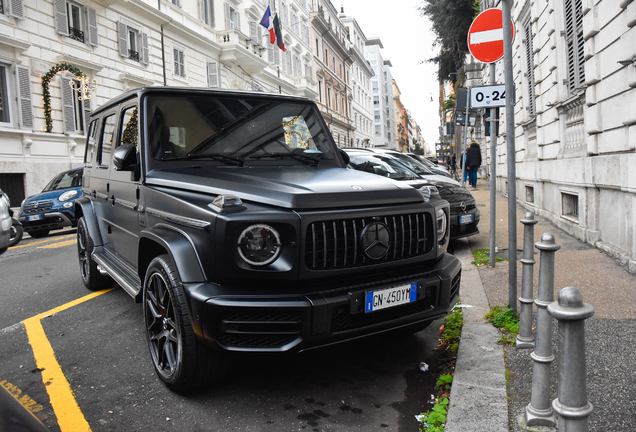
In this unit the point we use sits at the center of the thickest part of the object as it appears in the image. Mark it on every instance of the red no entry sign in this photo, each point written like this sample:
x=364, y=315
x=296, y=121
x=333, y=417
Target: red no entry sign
x=485, y=36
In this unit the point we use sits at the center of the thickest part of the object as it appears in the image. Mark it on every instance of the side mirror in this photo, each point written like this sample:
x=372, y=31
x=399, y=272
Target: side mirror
x=125, y=157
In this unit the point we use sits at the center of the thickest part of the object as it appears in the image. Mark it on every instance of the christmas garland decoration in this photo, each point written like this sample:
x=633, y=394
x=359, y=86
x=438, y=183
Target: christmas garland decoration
x=46, y=95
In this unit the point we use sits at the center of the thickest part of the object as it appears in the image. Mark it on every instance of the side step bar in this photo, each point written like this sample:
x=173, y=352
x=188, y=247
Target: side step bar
x=120, y=271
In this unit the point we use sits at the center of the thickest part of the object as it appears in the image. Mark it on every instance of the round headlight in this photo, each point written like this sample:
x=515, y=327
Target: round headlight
x=441, y=224
x=68, y=195
x=259, y=245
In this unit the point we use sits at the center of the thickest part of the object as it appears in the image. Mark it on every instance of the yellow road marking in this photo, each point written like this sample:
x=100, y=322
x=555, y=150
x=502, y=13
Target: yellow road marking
x=69, y=416
x=57, y=245
x=43, y=241
x=25, y=400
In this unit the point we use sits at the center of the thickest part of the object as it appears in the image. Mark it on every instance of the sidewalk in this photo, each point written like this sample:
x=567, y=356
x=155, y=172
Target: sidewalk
x=479, y=398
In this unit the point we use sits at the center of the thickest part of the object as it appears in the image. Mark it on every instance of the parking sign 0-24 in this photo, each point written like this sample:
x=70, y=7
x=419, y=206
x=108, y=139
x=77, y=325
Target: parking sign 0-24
x=488, y=96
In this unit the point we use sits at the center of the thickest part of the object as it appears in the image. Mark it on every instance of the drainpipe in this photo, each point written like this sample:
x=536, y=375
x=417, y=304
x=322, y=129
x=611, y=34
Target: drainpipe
x=163, y=58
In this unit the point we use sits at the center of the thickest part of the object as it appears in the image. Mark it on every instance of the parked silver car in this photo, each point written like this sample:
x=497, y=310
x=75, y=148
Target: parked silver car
x=5, y=224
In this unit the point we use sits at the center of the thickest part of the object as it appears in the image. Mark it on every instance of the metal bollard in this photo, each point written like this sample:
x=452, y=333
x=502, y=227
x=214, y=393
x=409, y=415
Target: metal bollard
x=525, y=338
x=571, y=404
x=539, y=412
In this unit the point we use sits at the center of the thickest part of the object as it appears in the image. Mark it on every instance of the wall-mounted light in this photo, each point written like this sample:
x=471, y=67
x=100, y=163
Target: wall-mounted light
x=84, y=88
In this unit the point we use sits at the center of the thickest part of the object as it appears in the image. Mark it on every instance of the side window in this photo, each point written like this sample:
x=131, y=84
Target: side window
x=76, y=21
x=129, y=126
x=91, y=145
x=106, y=148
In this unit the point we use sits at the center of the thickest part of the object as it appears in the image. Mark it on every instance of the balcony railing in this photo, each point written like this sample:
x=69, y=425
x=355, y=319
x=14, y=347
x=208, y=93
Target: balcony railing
x=76, y=34
x=133, y=55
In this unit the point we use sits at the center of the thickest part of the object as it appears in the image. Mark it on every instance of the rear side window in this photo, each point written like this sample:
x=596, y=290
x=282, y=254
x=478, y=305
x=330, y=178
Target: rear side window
x=91, y=145
x=106, y=148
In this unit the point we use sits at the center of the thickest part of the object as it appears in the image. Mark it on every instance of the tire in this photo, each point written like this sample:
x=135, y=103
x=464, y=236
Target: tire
x=180, y=359
x=39, y=233
x=91, y=276
x=16, y=234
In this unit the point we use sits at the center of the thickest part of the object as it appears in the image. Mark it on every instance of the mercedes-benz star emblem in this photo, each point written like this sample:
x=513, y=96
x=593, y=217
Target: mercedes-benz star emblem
x=376, y=240
x=462, y=205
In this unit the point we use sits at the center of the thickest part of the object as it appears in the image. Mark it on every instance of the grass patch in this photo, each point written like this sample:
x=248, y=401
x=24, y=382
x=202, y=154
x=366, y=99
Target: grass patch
x=506, y=320
x=482, y=257
x=450, y=332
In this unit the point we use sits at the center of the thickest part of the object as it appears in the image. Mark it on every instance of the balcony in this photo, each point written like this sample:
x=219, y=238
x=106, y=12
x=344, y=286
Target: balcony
x=133, y=55
x=238, y=48
x=76, y=34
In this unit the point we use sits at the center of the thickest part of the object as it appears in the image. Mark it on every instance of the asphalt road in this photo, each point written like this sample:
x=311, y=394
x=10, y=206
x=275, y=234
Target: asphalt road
x=99, y=349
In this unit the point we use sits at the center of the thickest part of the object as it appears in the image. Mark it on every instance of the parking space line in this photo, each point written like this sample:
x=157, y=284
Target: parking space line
x=59, y=244
x=43, y=241
x=69, y=416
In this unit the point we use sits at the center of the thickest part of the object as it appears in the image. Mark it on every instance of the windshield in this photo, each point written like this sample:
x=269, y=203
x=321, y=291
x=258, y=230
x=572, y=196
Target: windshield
x=414, y=165
x=235, y=131
x=381, y=165
x=65, y=180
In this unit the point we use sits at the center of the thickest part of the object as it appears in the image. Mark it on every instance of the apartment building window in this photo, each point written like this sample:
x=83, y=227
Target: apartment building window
x=335, y=100
x=297, y=67
x=527, y=28
x=378, y=130
x=256, y=32
x=284, y=13
x=376, y=101
x=74, y=110
x=305, y=34
x=574, y=44
x=530, y=194
x=377, y=115
x=178, y=54
x=570, y=206
x=232, y=17
x=376, y=87
x=295, y=24
x=333, y=64
x=371, y=56
x=176, y=3
x=76, y=21
x=308, y=71
x=317, y=48
x=206, y=11
x=273, y=54
x=213, y=74
x=133, y=43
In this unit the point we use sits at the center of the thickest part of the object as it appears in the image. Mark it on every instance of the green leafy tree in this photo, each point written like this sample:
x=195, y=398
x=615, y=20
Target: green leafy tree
x=451, y=20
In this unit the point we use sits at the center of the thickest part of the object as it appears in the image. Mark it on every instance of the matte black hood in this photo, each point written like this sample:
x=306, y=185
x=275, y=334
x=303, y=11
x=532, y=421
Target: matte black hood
x=296, y=188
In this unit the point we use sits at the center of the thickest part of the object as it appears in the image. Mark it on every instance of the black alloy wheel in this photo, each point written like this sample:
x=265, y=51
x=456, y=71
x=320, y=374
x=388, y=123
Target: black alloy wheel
x=91, y=275
x=180, y=359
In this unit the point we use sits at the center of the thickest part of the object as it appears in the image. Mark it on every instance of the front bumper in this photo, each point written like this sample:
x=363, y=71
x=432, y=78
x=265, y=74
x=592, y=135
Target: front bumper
x=49, y=221
x=288, y=323
x=459, y=230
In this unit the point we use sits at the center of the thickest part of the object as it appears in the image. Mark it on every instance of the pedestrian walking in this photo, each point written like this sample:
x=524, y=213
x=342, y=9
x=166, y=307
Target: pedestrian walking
x=473, y=161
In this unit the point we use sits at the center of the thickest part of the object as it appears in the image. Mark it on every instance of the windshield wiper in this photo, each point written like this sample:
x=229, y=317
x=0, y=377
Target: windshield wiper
x=217, y=157
x=294, y=155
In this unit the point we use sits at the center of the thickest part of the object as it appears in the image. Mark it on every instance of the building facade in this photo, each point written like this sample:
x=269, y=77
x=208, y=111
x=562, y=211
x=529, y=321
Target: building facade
x=361, y=74
x=575, y=118
x=384, y=128
x=332, y=63
x=123, y=44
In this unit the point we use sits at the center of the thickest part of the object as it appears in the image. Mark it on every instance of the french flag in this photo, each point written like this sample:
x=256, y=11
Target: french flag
x=266, y=22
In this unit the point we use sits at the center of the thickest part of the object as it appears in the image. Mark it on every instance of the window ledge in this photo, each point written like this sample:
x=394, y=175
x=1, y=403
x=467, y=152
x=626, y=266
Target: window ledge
x=81, y=63
x=571, y=218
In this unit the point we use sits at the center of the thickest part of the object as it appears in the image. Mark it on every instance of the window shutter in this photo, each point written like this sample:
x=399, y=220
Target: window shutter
x=238, y=20
x=17, y=9
x=213, y=74
x=67, y=105
x=228, y=22
x=144, y=49
x=270, y=53
x=86, y=103
x=91, y=19
x=202, y=16
x=122, y=30
x=61, y=25
x=276, y=55
x=253, y=31
x=530, y=68
x=24, y=97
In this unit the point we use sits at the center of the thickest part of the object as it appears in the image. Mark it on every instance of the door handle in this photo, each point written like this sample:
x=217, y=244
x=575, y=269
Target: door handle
x=112, y=200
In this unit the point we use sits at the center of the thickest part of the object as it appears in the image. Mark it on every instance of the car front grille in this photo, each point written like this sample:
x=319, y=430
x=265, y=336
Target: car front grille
x=455, y=285
x=38, y=207
x=260, y=329
x=336, y=243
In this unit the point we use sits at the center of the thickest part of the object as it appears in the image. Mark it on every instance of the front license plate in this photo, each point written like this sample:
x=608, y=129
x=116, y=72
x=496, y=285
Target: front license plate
x=466, y=219
x=34, y=218
x=376, y=300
